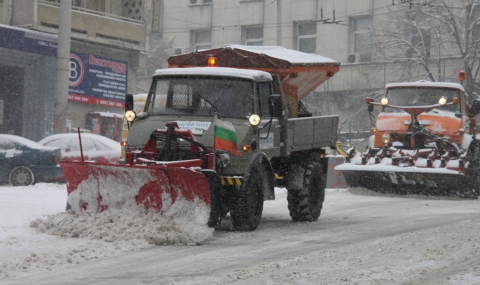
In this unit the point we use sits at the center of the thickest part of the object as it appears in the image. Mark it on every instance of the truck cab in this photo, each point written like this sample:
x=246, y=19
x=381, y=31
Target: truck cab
x=192, y=96
x=451, y=121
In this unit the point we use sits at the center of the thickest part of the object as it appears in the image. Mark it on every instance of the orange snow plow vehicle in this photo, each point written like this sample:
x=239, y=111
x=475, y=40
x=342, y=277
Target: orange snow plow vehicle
x=219, y=126
x=425, y=142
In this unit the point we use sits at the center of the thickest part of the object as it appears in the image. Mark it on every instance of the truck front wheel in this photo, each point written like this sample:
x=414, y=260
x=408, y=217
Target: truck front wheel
x=246, y=210
x=306, y=191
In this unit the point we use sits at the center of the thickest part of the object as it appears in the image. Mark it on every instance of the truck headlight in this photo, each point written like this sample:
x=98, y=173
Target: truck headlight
x=254, y=120
x=385, y=139
x=130, y=115
x=442, y=100
x=384, y=101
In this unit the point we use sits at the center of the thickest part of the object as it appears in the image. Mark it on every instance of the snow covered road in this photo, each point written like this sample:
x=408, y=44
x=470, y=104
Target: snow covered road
x=359, y=239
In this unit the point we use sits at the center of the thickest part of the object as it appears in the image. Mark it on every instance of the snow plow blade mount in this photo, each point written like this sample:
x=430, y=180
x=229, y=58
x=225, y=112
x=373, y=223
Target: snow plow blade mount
x=98, y=187
x=408, y=182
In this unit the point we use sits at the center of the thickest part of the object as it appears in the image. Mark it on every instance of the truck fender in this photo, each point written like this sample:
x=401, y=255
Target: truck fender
x=261, y=157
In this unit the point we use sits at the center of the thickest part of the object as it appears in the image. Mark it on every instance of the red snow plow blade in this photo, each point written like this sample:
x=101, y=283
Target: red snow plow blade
x=154, y=178
x=98, y=186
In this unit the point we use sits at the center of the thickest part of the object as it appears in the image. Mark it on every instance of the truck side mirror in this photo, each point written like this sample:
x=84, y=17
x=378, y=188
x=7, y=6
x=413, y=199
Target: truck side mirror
x=475, y=107
x=128, y=102
x=370, y=106
x=275, y=105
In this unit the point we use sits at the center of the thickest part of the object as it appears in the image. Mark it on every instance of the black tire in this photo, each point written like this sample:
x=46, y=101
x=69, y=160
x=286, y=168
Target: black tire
x=246, y=211
x=228, y=198
x=306, y=191
x=216, y=197
x=473, y=170
x=21, y=176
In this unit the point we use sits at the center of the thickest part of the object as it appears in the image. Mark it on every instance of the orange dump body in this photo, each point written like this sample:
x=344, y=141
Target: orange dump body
x=298, y=72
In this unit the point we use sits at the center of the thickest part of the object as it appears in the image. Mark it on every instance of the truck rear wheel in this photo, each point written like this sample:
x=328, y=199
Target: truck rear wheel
x=246, y=210
x=474, y=169
x=306, y=191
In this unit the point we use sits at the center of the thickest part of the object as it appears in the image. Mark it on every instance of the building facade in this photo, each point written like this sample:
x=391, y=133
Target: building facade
x=108, y=52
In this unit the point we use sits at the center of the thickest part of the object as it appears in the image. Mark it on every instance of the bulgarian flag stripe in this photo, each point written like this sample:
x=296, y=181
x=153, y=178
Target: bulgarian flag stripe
x=225, y=137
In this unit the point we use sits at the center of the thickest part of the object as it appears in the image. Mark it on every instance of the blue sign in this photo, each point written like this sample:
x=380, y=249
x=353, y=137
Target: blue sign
x=97, y=80
x=93, y=79
x=26, y=40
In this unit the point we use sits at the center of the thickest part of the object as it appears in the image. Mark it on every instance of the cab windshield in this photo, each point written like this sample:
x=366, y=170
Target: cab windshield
x=201, y=95
x=420, y=96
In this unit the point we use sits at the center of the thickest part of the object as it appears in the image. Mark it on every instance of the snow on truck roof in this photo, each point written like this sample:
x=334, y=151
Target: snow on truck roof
x=217, y=71
x=295, y=57
x=423, y=83
x=300, y=73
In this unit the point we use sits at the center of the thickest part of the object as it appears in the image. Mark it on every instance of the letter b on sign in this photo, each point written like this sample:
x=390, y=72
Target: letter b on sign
x=76, y=70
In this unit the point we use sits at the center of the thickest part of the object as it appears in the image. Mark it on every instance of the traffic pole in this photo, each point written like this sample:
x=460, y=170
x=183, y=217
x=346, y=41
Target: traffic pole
x=63, y=66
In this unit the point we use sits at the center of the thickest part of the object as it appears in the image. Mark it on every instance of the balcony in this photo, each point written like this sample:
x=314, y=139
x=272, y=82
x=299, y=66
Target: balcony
x=95, y=26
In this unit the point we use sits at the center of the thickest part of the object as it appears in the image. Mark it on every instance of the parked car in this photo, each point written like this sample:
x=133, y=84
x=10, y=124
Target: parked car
x=94, y=147
x=25, y=162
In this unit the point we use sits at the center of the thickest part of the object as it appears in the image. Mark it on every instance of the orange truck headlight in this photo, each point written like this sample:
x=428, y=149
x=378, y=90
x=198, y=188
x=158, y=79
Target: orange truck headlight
x=385, y=139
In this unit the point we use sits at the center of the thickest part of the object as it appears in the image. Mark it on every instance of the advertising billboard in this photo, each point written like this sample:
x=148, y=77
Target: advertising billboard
x=97, y=80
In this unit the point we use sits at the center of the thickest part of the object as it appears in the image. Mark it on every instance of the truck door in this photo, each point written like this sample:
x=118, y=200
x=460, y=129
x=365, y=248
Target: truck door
x=269, y=140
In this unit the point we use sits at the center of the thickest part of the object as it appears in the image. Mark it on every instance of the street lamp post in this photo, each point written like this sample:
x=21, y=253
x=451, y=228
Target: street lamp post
x=63, y=66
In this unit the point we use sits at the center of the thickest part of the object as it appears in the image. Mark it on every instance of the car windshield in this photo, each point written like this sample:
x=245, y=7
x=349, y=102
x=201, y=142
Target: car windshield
x=420, y=96
x=229, y=97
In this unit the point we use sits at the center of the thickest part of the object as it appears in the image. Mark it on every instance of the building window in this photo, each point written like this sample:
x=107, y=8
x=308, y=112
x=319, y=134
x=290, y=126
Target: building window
x=253, y=36
x=362, y=38
x=133, y=9
x=198, y=2
x=201, y=40
x=476, y=29
x=306, y=34
x=421, y=41
x=95, y=5
x=420, y=36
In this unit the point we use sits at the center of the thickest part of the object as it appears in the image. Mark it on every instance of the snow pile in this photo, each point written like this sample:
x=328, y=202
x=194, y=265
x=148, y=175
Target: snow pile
x=118, y=188
x=182, y=222
x=185, y=222
x=74, y=238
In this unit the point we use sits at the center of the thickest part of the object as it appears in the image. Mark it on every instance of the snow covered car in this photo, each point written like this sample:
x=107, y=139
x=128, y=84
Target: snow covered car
x=24, y=162
x=94, y=147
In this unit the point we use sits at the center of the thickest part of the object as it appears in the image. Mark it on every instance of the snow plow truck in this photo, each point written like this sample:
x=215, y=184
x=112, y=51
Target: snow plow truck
x=223, y=126
x=425, y=142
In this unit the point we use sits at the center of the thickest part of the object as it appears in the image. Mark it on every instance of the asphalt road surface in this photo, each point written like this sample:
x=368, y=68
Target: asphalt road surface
x=359, y=239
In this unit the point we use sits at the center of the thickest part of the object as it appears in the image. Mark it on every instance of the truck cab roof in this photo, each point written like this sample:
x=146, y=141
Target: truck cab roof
x=424, y=83
x=256, y=75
